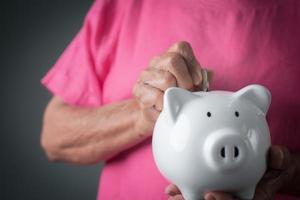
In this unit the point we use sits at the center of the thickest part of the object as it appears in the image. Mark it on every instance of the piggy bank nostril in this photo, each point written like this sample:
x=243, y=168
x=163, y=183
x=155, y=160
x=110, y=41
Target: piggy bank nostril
x=222, y=152
x=236, y=152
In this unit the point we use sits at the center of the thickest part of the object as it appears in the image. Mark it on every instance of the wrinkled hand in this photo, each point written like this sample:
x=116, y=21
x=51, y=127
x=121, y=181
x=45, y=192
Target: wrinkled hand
x=176, y=67
x=281, y=169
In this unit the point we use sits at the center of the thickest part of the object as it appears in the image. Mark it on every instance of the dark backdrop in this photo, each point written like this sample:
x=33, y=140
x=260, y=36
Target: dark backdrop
x=33, y=35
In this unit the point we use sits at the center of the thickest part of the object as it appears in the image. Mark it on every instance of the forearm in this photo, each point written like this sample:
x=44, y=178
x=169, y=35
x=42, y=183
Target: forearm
x=89, y=135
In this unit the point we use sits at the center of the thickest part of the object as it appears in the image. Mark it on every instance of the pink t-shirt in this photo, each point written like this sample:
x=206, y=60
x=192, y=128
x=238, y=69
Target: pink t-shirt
x=243, y=41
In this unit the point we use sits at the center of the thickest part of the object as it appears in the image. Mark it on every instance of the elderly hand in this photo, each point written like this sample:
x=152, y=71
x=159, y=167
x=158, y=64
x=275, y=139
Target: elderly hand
x=176, y=67
x=281, y=169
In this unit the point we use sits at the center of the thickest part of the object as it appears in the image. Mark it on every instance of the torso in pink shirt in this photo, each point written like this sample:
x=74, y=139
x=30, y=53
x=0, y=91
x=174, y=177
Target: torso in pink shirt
x=243, y=41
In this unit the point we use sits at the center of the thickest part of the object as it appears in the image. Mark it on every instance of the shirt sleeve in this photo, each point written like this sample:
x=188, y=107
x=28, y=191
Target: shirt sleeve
x=78, y=75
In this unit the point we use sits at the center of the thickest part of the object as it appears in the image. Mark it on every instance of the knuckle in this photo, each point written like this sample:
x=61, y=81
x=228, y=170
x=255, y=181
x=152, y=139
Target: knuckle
x=182, y=45
x=174, y=59
x=154, y=60
x=144, y=74
x=168, y=79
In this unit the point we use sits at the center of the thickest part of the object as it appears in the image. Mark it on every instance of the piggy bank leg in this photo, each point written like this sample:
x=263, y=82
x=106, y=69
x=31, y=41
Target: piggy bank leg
x=246, y=194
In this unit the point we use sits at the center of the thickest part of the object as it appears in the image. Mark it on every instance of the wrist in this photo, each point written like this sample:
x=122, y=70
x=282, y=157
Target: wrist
x=143, y=126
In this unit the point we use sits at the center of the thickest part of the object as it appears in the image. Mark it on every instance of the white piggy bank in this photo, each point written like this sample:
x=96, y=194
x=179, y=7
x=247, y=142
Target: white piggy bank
x=213, y=141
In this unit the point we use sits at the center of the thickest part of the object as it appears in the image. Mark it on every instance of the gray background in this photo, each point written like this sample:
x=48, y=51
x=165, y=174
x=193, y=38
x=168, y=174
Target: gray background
x=33, y=33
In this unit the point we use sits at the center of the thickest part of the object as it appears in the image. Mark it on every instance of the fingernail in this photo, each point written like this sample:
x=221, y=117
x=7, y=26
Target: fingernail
x=276, y=158
x=197, y=81
x=209, y=197
x=196, y=73
x=199, y=73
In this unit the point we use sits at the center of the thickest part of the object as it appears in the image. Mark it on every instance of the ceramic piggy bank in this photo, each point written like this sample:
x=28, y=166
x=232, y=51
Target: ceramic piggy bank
x=213, y=141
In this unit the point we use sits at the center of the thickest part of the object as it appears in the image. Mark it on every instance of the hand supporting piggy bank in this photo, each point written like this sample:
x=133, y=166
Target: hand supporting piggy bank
x=213, y=141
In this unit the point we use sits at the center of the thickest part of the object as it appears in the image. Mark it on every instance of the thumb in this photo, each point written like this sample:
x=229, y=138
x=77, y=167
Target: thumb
x=206, y=79
x=279, y=158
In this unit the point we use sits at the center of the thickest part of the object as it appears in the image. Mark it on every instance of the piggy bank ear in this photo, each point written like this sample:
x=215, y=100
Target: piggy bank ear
x=256, y=94
x=174, y=99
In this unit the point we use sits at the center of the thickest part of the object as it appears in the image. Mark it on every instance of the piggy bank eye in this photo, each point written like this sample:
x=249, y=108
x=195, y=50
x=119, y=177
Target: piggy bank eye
x=208, y=114
x=236, y=113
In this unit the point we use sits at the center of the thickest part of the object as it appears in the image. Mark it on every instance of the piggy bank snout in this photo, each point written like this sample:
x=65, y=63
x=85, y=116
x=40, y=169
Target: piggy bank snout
x=230, y=152
x=225, y=150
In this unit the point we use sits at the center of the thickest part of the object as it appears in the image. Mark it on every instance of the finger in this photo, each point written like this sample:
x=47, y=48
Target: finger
x=172, y=190
x=266, y=189
x=279, y=158
x=218, y=196
x=209, y=78
x=278, y=174
x=148, y=96
x=158, y=78
x=154, y=60
x=186, y=51
x=268, y=186
x=177, y=197
x=174, y=63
